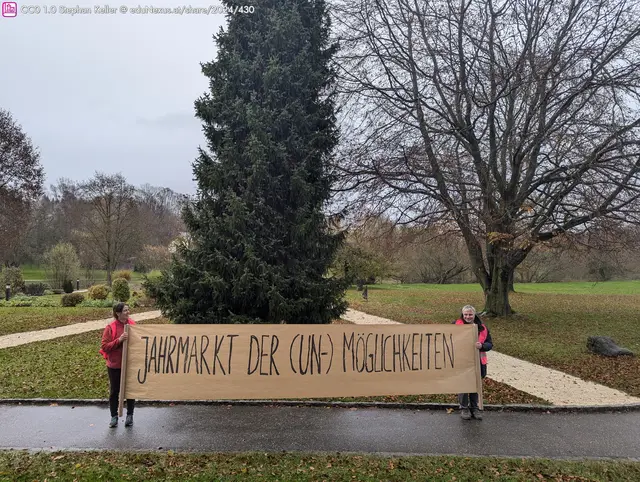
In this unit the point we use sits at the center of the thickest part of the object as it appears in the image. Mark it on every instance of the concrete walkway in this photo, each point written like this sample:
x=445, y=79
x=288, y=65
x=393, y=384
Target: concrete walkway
x=16, y=339
x=554, y=386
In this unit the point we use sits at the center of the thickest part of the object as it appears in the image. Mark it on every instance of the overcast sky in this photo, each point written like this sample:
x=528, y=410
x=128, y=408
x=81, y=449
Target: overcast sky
x=113, y=93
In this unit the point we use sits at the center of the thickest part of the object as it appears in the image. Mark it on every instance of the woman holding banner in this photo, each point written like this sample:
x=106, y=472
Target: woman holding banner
x=113, y=338
x=469, y=401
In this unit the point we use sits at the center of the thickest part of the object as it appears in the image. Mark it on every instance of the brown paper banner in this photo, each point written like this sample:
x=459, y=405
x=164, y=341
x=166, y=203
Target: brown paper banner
x=213, y=362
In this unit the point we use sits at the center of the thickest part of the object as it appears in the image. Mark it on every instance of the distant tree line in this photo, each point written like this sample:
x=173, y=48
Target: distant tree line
x=108, y=221
x=377, y=249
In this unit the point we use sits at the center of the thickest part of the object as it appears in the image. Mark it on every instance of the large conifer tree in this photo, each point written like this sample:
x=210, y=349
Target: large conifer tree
x=260, y=246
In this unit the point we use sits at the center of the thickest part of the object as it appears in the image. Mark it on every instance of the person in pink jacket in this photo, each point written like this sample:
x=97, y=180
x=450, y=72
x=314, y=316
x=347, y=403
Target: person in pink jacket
x=113, y=338
x=469, y=401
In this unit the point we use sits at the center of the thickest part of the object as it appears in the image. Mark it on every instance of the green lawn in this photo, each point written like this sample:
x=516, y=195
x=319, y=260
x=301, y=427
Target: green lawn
x=37, y=273
x=582, y=288
x=21, y=319
x=550, y=329
x=25, y=466
x=572, y=287
x=67, y=367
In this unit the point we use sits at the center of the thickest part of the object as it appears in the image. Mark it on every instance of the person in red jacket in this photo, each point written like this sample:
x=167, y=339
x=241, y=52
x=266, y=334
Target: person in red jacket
x=111, y=348
x=469, y=401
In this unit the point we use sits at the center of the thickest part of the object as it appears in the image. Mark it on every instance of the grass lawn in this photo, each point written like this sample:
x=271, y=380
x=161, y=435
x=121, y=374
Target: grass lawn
x=567, y=288
x=27, y=318
x=37, y=273
x=67, y=367
x=25, y=466
x=582, y=288
x=550, y=329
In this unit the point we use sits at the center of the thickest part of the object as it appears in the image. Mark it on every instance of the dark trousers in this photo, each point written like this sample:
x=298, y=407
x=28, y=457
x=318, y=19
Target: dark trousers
x=470, y=400
x=114, y=392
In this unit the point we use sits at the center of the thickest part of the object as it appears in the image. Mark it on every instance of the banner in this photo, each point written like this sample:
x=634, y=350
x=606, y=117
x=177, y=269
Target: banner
x=209, y=362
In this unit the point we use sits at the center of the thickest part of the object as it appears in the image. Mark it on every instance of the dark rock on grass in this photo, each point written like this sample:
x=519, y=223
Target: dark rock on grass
x=604, y=345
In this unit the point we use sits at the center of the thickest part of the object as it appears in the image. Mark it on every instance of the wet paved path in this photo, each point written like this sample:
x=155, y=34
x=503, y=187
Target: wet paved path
x=225, y=428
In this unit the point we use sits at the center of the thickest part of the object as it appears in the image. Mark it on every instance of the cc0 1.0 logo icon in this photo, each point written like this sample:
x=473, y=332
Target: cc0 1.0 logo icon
x=9, y=9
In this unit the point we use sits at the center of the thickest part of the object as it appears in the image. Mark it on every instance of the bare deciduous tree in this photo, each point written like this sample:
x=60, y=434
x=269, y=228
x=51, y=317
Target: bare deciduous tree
x=160, y=210
x=109, y=224
x=516, y=119
x=539, y=265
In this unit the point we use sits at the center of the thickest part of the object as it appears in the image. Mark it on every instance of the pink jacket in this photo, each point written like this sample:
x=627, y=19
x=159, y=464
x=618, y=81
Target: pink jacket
x=111, y=348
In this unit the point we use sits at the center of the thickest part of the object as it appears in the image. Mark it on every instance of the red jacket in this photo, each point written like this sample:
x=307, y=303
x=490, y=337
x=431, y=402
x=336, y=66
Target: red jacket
x=484, y=337
x=111, y=348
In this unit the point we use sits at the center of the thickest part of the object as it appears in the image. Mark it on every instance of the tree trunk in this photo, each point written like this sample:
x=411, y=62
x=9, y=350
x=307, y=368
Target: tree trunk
x=497, y=294
x=512, y=274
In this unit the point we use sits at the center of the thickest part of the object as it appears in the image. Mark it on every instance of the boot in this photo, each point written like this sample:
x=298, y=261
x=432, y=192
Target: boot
x=477, y=414
x=129, y=421
x=114, y=422
x=465, y=414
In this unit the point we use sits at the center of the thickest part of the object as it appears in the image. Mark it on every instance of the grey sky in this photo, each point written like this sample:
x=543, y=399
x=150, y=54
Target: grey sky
x=110, y=92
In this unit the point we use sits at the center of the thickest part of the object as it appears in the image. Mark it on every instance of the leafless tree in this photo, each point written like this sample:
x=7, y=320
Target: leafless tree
x=539, y=266
x=442, y=260
x=516, y=119
x=160, y=210
x=21, y=180
x=109, y=225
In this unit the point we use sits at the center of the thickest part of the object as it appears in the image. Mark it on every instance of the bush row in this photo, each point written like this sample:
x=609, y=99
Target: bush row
x=72, y=299
x=12, y=276
x=121, y=291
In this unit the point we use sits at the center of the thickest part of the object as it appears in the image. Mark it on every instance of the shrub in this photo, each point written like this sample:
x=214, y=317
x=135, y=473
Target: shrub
x=57, y=291
x=144, y=301
x=16, y=301
x=152, y=285
x=62, y=264
x=67, y=286
x=44, y=302
x=36, y=289
x=98, y=292
x=12, y=276
x=33, y=301
x=122, y=273
x=72, y=299
x=120, y=289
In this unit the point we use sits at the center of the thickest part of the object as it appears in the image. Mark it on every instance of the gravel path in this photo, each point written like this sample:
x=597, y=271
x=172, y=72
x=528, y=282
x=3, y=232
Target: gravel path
x=556, y=387
x=30, y=336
